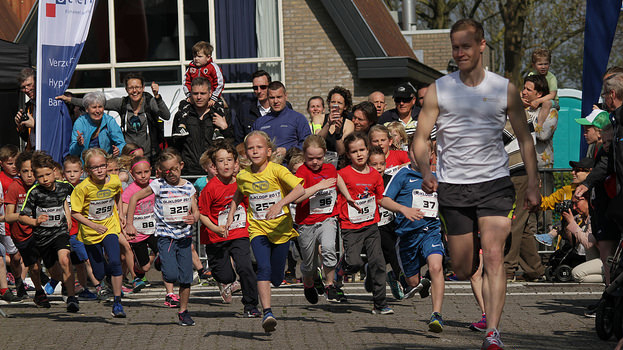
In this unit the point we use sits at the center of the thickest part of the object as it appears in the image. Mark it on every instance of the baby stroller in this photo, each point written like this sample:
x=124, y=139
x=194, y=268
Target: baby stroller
x=609, y=313
x=565, y=257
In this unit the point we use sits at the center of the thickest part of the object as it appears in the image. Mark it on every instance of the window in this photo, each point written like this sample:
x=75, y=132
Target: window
x=155, y=38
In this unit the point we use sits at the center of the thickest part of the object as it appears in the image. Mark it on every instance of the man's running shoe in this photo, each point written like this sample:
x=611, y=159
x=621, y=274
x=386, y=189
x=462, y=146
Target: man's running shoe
x=206, y=278
x=172, y=300
x=20, y=289
x=425, y=291
x=137, y=285
x=410, y=291
x=10, y=279
x=225, y=290
x=269, y=323
x=235, y=287
x=394, y=286
x=50, y=286
x=253, y=313
x=436, y=323
x=385, y=310
x=146, y=281
x=86, y=294
x=41, y=299
x=492, y=341
x=180, y=132
x=117, y=310
x=184, y=319
x=545, y=239
x=318, y=284
x=479, y=326
x=311, y=295
x=331, y=294
x=72, y=304
x=9, y=297
x=340, y=295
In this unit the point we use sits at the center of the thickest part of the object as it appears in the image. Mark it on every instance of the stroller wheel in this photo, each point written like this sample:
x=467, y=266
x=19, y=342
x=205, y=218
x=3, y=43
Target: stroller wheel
x=563, y=273
x=604, y=317
x=549, y=273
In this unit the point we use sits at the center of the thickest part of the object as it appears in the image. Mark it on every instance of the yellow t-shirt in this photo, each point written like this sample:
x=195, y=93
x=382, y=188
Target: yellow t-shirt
x=263, y=190
x=97, y=203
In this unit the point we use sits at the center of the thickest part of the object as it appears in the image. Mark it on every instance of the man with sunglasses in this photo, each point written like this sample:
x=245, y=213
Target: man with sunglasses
x=406, y=111
x=249, y=111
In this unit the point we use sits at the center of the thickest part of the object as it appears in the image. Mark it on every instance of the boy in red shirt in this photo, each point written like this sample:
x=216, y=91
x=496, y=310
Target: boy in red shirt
x=8, y=155
x=223, y=245
x=394, y=159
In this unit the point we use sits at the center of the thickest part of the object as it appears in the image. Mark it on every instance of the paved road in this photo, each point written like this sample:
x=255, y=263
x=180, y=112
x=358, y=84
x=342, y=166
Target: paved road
x=537, y=316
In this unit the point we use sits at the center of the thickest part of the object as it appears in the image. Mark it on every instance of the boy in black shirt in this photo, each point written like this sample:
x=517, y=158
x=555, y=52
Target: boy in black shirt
x=47, y=211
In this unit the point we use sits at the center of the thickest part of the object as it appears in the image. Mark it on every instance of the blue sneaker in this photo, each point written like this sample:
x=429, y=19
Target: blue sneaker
x=385, y=310
x=87, y=295
x=394, y=286
x=117, y=310
x=269, y=323
x=50, y=286
x=184, y=319
x=545, y=239
x=137, y=285
x=436, y=323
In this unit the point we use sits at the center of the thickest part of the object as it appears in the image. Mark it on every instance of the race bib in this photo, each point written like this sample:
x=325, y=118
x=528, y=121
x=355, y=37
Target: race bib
x=427, y=203
x=55, y=216
x=145, y=224
x=368, y=209
x=387, y=216
x=323, y=201
x=240, y=218
x=175, y=209
x=393, y=170
x=260, y=202
x=101, y=209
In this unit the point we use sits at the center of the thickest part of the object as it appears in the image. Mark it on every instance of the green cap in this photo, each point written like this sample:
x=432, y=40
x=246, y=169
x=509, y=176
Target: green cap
x=598, y=118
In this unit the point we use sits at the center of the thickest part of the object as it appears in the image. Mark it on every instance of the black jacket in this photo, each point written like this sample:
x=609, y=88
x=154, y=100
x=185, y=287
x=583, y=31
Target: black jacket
x=245, y=117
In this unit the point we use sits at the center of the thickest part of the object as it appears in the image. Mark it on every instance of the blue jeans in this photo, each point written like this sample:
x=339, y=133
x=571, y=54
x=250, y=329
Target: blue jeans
x=177, y=259
x=271, y=259
x=105, y=265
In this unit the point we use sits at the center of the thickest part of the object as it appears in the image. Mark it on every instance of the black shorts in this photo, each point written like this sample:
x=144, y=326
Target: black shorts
x=141, y=253
x=49, y=252
x=29, y=251
x=460, y=206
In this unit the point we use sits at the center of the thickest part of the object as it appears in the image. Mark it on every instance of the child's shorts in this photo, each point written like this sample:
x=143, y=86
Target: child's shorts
x=177, y=259
x=415, y=247
x=49, y=252
x=78, y=251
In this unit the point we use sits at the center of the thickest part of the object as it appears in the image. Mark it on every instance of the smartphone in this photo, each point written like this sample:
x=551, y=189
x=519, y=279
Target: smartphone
x=334, y=108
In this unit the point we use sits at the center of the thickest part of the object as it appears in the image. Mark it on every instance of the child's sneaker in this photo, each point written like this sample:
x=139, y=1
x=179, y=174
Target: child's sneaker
x=425, y=291
x=117, y=310
x=180, y=132
x=341, y=296
x=385, y=310
x=311, y=295
x=479, y=326
x=146, y=281
x=331, y=294
x=269, y=323
x=410, y=291
x=225, y=290
x=10, y=279
x=206, y=278
x=9, y=297
x=41, y=299
x=492, y=341
x=394, y=286
x=318, y=284
x=436, y=323
x=50, y=286
x=172, y=300
x=86, y=294
x=253, y=313
x=184, y=319
x=137, y=285
x=72, y=304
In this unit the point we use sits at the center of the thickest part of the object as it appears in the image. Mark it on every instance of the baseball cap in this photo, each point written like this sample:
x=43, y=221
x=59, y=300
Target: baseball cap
x=584, y=163
x=404, y=90
x=598, y=118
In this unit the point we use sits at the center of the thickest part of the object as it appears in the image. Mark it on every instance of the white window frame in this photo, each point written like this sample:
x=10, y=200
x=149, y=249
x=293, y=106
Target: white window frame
x=244, y=87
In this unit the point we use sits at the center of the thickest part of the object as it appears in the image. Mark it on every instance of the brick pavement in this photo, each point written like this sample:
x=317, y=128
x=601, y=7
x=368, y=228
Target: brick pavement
x=537, y=316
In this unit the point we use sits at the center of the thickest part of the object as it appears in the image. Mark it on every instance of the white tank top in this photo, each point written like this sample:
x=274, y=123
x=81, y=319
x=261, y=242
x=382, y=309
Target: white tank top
x=469, y=129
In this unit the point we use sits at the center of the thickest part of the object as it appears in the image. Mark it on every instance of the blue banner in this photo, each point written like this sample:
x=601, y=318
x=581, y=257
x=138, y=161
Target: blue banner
x=601, y=23
x=62, y=30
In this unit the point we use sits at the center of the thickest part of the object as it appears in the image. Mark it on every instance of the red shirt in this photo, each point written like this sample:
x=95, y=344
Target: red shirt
x=16, y=195
x=213, y=200
x=75, y=225
x=396, y=157
x=324, y=202
x=360, y=187
x=5, y=180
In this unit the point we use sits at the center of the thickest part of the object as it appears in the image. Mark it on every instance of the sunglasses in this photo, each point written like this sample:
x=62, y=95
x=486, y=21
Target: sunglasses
x=577, y=170
x=260, y=87
x=403, y=99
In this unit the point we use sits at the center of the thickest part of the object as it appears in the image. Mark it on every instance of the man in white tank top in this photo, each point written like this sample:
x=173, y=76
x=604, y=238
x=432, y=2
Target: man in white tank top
x=469, y=108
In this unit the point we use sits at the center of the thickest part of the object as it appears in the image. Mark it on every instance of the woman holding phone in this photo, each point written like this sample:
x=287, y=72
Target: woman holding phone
x=337, y=124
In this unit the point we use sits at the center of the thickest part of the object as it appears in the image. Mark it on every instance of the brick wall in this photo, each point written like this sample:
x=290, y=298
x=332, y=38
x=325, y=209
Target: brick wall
x=317, y=57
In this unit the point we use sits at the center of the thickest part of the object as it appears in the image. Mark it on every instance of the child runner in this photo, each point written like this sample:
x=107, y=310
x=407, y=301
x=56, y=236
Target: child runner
x=72, y=170
x=224, y=245
x=316, y=216
x=270, y=188
x=93, y=206
x=394, y=159
x=47, y=212
x=145, y=224
x=376, y=160
x=361, y=190
x=22, y=234
x=419, y=234
x=176, y=211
